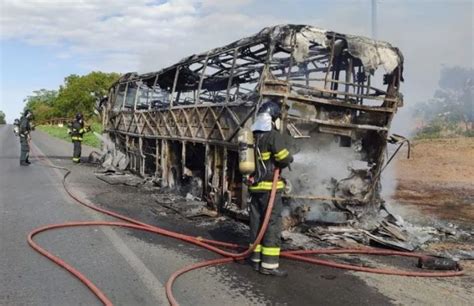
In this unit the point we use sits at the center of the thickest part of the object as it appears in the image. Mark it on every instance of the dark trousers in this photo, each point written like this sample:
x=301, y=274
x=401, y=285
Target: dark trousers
x=24, y=149
x=76, y=155
x=268, y=252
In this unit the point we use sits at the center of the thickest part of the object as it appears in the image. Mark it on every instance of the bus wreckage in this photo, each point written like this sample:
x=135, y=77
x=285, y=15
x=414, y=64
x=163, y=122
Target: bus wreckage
x=180, y=125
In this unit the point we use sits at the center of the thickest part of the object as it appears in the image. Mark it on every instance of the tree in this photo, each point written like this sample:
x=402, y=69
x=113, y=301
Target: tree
x=452, y=102
x=2, y=118
x=79, y=93
x=468, y=103
x=454, y=78
x=42, y=104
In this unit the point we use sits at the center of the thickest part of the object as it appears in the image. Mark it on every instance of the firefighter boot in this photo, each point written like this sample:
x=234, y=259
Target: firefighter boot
x=273, y=272
x=247, y=261
x=255, y=265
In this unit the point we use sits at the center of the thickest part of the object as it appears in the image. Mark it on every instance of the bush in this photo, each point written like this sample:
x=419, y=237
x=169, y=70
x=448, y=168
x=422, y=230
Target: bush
x=469, y=133
x=61, y=132
x=440, y=128
x=432, y=130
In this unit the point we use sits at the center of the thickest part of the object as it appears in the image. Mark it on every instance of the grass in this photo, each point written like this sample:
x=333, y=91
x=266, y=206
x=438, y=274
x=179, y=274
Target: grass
x=442, y=129
x=61, y=132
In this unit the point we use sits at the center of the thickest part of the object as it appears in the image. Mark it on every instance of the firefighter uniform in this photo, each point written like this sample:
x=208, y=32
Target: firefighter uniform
x=77, y=131
x=271, y=153
x=24, y=133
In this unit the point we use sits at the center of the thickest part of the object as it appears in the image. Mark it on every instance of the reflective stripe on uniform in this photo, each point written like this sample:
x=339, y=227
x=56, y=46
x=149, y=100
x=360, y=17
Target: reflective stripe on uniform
x=270, y=257
x=76, y=138
x=272, y=251
x=258, y=248
x=265, y=155
x=257, y=255
x=281, y=155
x=267, y=265
x=266, y=186
x=76, y=159
x=81, y=131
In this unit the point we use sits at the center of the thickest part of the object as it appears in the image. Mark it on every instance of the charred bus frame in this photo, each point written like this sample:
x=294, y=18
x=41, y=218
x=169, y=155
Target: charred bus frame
x=181, y=122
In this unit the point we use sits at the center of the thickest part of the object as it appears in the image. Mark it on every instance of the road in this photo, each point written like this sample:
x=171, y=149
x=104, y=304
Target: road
x=129, y=266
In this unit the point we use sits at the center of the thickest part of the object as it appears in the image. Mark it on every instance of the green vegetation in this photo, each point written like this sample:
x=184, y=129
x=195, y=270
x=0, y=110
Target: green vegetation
x=439, y=128
x=450, y=113
x=77, y=94
x=2, y=117
x=61, y=132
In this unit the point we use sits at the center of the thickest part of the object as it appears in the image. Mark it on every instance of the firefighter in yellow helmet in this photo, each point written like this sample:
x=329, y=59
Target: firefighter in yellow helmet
x=270, y=153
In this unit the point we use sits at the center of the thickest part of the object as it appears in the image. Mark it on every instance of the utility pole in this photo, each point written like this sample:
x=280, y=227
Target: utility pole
x=374, y=19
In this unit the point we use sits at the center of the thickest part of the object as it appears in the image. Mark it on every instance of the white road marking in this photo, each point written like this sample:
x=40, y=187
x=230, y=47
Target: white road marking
x=149, y=280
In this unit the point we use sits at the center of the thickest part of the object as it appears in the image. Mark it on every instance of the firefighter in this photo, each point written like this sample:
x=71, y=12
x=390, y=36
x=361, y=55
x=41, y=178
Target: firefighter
x=24, y=130
x=16, y=127
x=77, y=130
x=270, y=154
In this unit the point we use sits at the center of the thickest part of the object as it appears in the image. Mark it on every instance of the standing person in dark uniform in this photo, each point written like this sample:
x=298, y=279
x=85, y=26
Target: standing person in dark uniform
x=24, y=133
x=77, y=130
x=270, y=154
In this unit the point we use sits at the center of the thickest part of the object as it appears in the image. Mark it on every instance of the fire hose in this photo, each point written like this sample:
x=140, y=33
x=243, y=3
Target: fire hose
x=212, y=245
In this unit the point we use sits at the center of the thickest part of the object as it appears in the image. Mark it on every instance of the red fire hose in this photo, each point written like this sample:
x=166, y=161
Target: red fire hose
x=211, y=245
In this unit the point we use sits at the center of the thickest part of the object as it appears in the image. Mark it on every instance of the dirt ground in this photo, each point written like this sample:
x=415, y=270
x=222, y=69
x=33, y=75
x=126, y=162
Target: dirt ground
x=438, y=179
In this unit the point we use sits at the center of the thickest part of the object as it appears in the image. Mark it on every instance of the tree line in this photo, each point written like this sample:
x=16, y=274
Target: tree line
x=2, y=117
x=77, y=94
x=451, y=110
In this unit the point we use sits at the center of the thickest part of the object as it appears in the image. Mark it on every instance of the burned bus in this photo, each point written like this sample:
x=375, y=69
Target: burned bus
x=340, y=92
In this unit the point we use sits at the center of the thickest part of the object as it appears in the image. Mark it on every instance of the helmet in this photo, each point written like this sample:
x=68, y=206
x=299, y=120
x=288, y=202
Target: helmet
x=79, y=116
x=27, y=114
x=267, y=113
x=16, y=122
x=272, y=108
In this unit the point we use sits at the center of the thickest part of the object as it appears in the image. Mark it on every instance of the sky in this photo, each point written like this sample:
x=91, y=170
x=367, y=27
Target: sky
x=44, y=41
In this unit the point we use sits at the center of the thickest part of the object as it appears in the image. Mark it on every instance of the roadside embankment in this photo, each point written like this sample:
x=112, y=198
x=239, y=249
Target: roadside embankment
x=60, y=131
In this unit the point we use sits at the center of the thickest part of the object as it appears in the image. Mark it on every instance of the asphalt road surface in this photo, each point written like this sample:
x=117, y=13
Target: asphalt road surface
x=131, y=268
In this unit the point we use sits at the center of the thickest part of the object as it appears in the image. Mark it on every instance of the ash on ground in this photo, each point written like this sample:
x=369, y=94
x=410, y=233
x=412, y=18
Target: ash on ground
x=386, y=229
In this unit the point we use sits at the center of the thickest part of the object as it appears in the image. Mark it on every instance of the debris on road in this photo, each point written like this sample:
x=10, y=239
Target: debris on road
x=120, y=179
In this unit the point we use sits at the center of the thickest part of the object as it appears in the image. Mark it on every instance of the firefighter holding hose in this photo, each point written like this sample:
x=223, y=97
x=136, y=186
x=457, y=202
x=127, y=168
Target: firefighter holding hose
x=270, y=153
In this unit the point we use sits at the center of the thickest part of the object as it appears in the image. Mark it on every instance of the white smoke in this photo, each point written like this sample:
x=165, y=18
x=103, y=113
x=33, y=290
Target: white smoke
x=318, y=161
x=318, y=164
